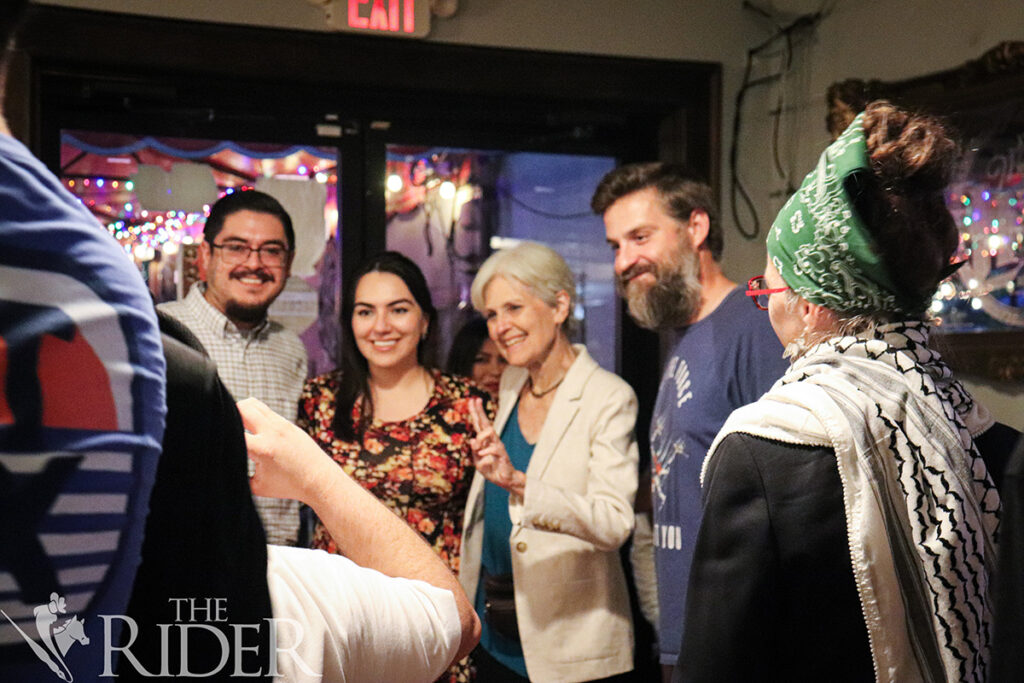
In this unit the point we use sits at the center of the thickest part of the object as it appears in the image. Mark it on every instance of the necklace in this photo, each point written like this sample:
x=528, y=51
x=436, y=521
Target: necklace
x=542, y=394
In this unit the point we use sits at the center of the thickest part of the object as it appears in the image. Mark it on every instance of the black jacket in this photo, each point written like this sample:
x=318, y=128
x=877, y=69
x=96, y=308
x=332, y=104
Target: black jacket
x=203, y=535
x=772, y=595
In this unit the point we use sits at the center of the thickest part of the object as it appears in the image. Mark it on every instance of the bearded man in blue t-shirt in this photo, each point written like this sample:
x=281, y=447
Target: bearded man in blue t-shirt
x=662, y=226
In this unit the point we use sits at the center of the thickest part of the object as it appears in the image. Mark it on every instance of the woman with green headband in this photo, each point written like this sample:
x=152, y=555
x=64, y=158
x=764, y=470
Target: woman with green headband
x=850, y=519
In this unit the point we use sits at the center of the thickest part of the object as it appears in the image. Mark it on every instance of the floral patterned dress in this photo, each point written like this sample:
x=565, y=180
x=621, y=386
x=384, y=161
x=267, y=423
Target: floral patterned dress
x=421, y=467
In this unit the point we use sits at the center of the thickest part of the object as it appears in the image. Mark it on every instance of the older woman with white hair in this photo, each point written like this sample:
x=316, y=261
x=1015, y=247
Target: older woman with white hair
x=552, y=500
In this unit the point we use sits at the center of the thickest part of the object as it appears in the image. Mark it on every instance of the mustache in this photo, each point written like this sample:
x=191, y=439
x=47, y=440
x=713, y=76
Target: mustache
x=673, y=297
x=249, y=272
x=635, y=270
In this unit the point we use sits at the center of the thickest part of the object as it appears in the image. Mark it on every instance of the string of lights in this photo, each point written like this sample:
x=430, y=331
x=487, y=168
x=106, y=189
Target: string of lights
x=992, y=248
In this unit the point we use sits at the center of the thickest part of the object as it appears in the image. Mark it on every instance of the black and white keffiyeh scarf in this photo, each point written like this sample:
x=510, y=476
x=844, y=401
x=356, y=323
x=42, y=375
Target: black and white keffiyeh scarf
x=921, y=511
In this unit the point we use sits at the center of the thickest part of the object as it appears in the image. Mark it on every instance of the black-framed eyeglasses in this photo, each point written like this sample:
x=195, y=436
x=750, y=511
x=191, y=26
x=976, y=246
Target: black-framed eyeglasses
x=759, y=292
x=237, y=253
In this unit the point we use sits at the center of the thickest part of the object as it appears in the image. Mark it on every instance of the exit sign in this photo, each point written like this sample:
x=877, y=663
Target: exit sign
x=401, y=18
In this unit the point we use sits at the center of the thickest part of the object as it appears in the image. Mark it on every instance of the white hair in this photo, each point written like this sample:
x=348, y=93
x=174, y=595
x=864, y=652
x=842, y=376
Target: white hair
x=846, y=325
x=539, y=268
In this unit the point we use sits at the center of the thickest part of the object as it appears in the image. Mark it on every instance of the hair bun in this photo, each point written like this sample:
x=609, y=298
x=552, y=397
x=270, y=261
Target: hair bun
x=912, y=158
x=909, y=153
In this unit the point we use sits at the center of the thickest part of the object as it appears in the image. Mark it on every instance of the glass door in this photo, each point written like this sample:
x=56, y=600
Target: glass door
x=449, y=208
x=153, y=194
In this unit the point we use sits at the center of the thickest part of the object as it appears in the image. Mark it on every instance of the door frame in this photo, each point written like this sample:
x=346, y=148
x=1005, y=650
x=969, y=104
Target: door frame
x=88, y=69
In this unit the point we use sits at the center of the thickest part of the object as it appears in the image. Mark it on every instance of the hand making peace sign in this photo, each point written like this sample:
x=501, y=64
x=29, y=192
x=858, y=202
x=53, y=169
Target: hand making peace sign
x=489, y=454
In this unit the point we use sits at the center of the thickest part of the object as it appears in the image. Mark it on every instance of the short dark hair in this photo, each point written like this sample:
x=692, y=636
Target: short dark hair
x=247, y=200
x=465, y=347
x=680, y=193
x=355, y=372
x=10, y=17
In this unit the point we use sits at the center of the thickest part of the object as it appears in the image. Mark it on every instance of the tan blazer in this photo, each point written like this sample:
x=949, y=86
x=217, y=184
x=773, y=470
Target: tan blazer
x=570, y=591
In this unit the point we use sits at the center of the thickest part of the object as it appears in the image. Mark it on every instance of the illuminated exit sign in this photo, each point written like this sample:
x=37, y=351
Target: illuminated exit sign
x=401, y=18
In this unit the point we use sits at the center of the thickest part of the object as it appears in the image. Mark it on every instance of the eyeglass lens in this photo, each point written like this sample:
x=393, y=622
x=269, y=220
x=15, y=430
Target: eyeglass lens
x=760, y=300
x=268, y=254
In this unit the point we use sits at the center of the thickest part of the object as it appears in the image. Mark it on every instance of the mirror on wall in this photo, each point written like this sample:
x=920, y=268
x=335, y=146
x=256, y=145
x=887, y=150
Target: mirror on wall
x=979, y=311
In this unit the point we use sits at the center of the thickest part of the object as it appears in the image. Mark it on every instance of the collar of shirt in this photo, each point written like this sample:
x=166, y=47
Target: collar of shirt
x=213, y=319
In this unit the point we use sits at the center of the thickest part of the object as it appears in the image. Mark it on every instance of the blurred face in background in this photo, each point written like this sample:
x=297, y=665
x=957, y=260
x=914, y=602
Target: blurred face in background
x=488, y=366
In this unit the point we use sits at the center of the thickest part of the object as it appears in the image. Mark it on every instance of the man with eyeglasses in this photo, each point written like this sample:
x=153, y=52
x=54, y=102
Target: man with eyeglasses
x=245, y=260
x=663, y=229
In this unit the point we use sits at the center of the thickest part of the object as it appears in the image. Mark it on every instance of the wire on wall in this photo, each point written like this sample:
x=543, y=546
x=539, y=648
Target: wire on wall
x=737, y=191
x=546, y=214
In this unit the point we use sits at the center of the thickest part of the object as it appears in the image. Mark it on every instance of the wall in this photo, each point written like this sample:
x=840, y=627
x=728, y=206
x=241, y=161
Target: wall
x=869, y=39
x=669, y=29
x=856, y=38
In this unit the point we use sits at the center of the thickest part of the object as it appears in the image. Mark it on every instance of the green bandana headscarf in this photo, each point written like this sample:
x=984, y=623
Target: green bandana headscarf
x=822, y=248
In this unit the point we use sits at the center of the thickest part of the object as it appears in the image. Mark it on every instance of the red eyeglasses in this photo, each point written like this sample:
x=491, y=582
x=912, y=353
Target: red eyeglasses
x=759, y=293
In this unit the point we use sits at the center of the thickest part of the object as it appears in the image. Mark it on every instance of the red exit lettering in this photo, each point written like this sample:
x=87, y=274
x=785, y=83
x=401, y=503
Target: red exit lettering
x=383, y=15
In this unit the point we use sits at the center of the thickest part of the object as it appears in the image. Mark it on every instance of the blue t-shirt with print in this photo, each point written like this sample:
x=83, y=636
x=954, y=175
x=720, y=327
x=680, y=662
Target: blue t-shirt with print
x=82, y=407
x=719, y=363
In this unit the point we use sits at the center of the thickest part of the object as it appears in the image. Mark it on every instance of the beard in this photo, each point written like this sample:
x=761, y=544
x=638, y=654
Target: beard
x=244, y=313
x=674, y=297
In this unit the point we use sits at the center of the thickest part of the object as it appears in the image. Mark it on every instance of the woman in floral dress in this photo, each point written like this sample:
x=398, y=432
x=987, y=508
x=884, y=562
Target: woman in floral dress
x=399, y=428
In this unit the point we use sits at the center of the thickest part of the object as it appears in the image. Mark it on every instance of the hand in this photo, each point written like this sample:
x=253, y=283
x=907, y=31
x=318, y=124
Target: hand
x=287, y=461
x=489, y=454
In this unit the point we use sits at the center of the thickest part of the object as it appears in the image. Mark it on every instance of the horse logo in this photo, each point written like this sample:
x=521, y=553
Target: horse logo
x=56, y=639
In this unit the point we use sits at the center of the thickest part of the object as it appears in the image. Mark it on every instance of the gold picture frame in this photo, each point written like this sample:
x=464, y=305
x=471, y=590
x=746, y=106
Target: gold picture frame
x=983, y=100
